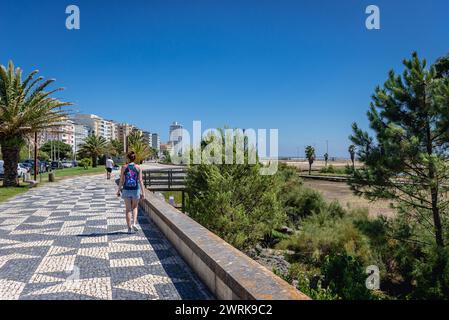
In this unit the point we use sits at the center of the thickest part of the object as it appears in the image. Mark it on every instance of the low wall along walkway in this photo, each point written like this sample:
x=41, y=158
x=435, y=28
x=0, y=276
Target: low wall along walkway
x=228, y=273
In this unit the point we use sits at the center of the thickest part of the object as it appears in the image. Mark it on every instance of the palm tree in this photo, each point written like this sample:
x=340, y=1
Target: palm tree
x=141, y=148
x=116, y=148
x=25, y=108
x=94, y=146
x=326, y=158
x=310, y=155
x=351, y=151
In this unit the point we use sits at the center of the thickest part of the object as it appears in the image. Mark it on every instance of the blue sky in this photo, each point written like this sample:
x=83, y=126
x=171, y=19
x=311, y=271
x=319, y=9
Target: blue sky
x=307, y=68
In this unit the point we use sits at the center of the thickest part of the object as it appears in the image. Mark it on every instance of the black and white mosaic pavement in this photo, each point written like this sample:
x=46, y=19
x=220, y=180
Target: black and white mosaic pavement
x=68, y=240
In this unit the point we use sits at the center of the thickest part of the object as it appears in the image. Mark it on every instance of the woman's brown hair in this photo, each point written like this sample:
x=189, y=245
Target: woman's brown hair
x=131, y=156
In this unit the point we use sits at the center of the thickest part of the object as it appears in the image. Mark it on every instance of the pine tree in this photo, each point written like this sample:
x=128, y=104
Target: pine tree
x=407, y=160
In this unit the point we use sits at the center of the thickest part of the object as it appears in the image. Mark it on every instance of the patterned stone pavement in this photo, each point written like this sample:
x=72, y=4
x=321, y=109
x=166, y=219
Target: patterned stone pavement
x=68, y=240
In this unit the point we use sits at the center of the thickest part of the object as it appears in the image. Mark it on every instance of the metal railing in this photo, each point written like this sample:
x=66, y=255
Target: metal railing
x=166, y=180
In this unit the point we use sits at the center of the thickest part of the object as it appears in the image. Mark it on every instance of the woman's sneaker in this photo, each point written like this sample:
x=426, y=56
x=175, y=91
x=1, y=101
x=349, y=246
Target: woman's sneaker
x=135, y=228
x=130, y=230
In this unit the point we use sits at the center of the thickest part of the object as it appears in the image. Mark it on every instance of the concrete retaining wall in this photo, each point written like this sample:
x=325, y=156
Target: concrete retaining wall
x=227, y=272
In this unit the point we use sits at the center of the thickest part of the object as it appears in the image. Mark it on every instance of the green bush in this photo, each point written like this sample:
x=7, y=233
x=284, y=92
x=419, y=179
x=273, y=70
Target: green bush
x=85, y=163
x=327, y=233
x=235, y=202
x=345, y=276
x=411, y=267
x=300, y=202
x=333, y=170
x=309, y=282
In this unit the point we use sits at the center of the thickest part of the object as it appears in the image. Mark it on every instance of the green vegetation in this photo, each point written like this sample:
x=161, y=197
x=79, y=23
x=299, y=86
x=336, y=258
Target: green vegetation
x=330, y=247
x=63, y=150
x=175, y=194
x=166, y=158
x=234, y=201
x=331, y=170
x=9, y=192
x=25, y=108
x=116, y=148
x=408, y=161
x=93, y=147
x=71, y=172
x=85, y=163
x=140, y=147
x=310, y=155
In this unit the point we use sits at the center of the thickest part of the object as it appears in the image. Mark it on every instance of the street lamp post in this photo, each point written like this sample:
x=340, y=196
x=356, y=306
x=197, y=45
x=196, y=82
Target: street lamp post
x=35, y=156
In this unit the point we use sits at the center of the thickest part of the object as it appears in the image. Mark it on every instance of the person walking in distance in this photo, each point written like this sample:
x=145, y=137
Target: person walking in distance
x=109, y=166
x=131, y=189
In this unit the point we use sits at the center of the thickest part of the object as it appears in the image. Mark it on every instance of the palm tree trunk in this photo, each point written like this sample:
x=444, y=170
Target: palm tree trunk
x=11, y=158
x=94, y=160
x=310, y=169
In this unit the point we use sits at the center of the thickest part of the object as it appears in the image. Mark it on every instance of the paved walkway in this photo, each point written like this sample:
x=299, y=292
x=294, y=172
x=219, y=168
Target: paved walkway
x=68, y=240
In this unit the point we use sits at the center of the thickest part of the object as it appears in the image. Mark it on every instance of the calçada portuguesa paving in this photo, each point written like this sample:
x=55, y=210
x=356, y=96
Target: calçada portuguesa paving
x=69, y=240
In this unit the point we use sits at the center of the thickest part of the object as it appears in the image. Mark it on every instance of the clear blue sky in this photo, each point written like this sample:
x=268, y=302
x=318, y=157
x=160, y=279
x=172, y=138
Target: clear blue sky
x=307, y=68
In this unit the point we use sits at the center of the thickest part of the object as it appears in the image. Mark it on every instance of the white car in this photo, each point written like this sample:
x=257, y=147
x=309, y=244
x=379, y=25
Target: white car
x=21, y=169
x=67, y=164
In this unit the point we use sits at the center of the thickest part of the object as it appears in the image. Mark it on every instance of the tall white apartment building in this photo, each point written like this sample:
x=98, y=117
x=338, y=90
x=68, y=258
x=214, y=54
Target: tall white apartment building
x=63, y=131
x=81, y=133
x=175, y=137
x=155, y=141
x=91, y=121
x=97, y=125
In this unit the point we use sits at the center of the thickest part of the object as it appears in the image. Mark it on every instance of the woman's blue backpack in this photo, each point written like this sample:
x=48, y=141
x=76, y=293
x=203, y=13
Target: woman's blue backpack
x=131, y=178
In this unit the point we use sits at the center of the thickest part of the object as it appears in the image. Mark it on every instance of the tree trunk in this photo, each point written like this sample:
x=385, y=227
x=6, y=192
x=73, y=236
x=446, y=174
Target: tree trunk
x=434, y=192
x=310, y=169
x=437, y=219
x=11, y=159
x=94, y=161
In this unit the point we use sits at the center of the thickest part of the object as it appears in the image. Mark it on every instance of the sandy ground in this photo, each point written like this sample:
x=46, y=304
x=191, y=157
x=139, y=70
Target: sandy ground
x=319, y=164
x=341, y=192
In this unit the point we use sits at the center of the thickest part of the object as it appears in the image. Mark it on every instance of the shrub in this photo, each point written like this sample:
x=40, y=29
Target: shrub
x=329, y=169
x=300, y=202
x=345, y=276
x=235, y=202
x=333, y=170
x=309, y=282
x=326, y=233
x=411, y=267
x=85, y=163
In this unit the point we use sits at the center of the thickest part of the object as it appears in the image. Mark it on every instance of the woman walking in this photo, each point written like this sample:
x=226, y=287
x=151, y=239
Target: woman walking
x=131, y=189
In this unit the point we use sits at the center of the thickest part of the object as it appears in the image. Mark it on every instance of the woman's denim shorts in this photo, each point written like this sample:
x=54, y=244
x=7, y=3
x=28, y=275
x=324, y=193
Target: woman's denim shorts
x=131, y=194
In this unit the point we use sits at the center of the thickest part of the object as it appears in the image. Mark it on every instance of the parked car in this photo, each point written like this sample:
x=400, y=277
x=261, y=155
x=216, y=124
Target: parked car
x=30, y=164
x=44, y=166
x=67, y=164
x=56, y=165
x=21, y=169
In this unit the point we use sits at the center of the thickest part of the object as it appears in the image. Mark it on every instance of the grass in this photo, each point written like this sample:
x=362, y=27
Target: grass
x=7, y=193
x=70, y=172
x=176, y=194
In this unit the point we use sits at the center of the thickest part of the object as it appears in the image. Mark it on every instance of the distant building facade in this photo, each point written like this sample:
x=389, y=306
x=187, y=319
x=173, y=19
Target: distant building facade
x=175, y=138
x=155, y=141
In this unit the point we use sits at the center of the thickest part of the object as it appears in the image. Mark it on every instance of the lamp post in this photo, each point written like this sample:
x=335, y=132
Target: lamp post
x=35, y=156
